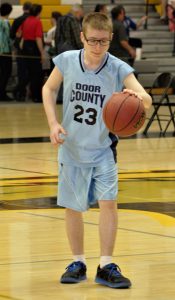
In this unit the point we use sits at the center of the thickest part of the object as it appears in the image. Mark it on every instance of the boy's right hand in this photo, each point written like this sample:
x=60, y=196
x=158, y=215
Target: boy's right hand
x=56, y=132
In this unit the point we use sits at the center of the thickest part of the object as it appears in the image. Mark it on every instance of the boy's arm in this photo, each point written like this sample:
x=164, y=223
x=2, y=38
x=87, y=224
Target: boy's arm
x=49, y=92
x=131, y=83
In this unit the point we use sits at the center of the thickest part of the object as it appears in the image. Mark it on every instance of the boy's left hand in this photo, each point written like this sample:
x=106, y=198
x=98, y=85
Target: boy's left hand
x=131, y=92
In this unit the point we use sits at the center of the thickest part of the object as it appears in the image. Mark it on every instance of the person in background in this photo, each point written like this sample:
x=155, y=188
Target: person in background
x=120, y=46
x=32, y=48
x=5, y=50
x=87, y=165
x=50, y=36
x=171, y=16
x=102, y=8
x=131, y=25
x=49, y=39
x=163, y=17
x=67, y=36
x=19, y=92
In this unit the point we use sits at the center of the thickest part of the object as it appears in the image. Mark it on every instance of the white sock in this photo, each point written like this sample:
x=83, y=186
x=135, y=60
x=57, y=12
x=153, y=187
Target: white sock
x=105, y=260
x=80, y=257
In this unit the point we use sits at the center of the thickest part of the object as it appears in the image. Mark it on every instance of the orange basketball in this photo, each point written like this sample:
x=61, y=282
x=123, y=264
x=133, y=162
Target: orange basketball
x=124, y=114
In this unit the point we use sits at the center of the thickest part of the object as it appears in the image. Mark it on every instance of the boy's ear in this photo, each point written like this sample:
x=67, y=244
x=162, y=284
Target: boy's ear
x=82, y=36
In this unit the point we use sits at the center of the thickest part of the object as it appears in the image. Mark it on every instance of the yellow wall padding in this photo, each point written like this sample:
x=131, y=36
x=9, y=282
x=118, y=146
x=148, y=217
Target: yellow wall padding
x=153, y=2
x=43, y=2
x=46, y=24
x=48, y=9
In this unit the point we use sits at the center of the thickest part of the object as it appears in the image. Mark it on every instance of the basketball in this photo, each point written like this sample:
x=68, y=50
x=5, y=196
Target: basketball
x=124, y=114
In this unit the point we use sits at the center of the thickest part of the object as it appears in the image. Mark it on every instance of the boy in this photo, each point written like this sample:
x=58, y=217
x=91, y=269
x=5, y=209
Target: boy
x=87, y=171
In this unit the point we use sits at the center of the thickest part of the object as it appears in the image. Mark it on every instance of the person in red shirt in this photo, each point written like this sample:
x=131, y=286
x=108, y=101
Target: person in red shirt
x=33, y=50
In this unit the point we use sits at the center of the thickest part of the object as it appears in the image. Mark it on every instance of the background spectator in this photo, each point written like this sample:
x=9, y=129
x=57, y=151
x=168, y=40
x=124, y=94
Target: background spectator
x=49, y=40
x=102, y=8
x=164, y=11
x=33, y=50
x=20, y=90
x=67, y=36
x=120, y=46
x=171, y=15
x=5, y=50
x=50, y=36
x=131, y=25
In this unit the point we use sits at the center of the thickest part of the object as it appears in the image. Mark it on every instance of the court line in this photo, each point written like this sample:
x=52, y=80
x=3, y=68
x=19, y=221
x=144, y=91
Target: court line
x=91, y=257
x=19, y=170
x=29, y=178
x=24, y=140
x=145, y=179
x=7, y=297
x=18, y=185
x=146, y=171
x=126, y=179
x=46, y=139
x=42, y=159
x=94, y=224
x=25, y=191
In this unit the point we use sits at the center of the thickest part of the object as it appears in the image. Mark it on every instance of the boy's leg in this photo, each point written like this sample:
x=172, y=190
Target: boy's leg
x=75, y=231
x=109, y=273
x=76, y=271
x=107, y=226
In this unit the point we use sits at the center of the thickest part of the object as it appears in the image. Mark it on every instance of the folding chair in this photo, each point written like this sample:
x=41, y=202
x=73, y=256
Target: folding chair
x=160, y=90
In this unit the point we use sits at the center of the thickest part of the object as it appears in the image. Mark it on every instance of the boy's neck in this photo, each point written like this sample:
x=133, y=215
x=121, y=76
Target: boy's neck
x=92, y=64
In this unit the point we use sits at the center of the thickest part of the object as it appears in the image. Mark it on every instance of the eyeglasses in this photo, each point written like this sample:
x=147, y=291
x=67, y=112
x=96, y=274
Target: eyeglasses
x=94, y=42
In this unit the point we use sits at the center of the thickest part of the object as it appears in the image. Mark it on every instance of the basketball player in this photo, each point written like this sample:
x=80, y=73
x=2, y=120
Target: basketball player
x=87, y=169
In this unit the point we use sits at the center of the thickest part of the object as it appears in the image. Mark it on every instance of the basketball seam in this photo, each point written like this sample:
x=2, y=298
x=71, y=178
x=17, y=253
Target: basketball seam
x=113, y=126
x=132, y=118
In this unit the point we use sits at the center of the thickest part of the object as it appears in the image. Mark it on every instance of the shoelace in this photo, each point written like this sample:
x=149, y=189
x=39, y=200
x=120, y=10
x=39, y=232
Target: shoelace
x=114, y=270
x=73, y=266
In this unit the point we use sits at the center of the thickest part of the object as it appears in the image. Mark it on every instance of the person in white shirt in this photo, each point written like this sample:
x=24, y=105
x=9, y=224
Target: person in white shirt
x=49, y=41
x=50, y=36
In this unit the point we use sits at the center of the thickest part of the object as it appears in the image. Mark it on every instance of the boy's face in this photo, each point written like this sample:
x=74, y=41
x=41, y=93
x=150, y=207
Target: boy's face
x=96, y=42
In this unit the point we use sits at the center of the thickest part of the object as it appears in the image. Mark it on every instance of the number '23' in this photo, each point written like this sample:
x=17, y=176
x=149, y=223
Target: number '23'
x=92, y=115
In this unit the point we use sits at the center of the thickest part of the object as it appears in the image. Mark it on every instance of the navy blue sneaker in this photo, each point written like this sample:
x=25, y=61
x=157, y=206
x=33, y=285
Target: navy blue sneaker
x=75, y=272
x=111, y=276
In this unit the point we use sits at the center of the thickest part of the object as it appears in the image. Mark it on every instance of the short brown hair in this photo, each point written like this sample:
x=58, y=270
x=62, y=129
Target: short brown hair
x=97, y=21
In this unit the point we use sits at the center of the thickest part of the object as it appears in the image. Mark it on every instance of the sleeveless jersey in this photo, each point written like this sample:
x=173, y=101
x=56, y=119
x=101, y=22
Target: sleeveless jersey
x=84, y=95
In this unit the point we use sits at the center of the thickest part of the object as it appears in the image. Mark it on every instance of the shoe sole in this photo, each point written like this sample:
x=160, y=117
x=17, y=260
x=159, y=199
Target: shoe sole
x=72, y=280
x=120, y=285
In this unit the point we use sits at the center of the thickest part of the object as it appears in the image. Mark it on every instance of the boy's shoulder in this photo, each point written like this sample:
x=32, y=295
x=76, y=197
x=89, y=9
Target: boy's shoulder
x=67, y=57
x=116, y=63
x=70, y=54
x=115, y=60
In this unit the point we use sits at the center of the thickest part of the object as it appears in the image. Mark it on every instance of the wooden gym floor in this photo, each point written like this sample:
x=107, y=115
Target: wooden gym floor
x=33, y=247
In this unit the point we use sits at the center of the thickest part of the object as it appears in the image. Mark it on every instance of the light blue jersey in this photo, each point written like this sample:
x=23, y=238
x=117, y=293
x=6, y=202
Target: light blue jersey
x=84, y=96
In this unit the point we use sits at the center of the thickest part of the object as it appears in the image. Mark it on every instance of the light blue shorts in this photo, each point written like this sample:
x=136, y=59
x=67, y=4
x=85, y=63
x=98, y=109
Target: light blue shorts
x=81, y=187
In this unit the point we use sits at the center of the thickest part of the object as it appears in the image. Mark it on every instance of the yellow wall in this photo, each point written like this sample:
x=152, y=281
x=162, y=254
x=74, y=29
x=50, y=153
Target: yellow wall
x=154, y=1
x=46, y=24
x=43, y=2
x=159, y=9
x=157, y=4
x=48, y=9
